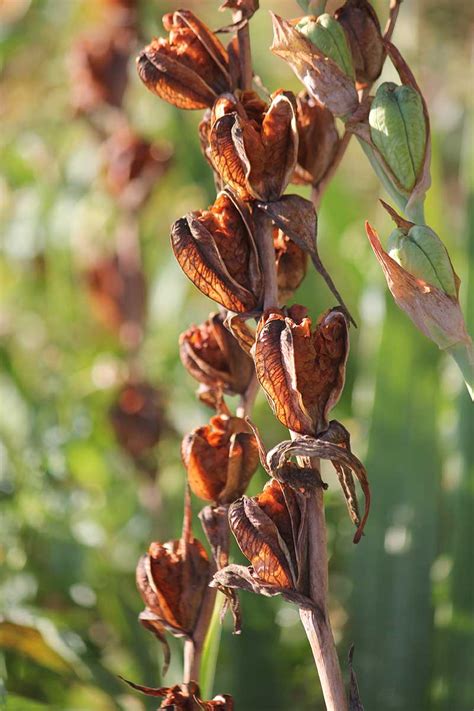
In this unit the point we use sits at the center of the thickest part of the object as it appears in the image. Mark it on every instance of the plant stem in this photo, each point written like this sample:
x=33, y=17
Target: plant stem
x=317, y=626
x=245, y=56
x=266, y=251
x=193, y=648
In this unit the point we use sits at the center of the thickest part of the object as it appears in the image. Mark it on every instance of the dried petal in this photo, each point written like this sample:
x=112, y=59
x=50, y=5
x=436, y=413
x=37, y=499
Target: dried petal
x=220, y=458
x=186, y=697
x=302, y=372
x=321, y=76
x=212, y=355
x=190, y=69
x=216, y=250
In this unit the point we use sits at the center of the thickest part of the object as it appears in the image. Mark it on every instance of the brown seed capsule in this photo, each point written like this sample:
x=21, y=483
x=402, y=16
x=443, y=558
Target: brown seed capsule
x=271, y=530
x=190, y=69
x=220, y=458
x=137, y=418
x=253, y=147
x=133, y=166
x=362, y=28
x=117, y=288
x=216, y=250
x=291, y=263
x=211, y=354
x=99, y=69
x=302, y=372
x=318, y=140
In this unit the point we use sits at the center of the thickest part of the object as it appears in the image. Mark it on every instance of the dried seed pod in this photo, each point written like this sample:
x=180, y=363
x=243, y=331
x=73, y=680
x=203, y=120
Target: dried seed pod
x=435, y=313
x=212, y=355
x=220, y=458
x=302, y=372
x=328, y=36
x=254, y=147
x=172, y=579
x=271, y=530
x=322, y=77
x=133, y=165
x=398, y=130
x=362, y=27
x=191, y=68
x=318, y=140
x=99, y=69
x=117, y=288
x=291, y=262
x=137, y=418
x=216, y=250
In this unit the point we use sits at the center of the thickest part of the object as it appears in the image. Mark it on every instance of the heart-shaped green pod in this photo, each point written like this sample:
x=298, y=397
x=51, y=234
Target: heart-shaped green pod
x=423, y=255
x=329, y=37
x=398, y=130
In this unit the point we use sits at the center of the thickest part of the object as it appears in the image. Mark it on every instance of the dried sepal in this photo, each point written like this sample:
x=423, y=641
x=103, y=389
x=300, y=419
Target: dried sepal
x=322, y=77
x=297, y=219
x=302, y=372
x=362, y=27
x=436, y=314
x=221, y=458
x=254, y=147
x=243, y=334
x=210, y=353
x=190, y=69
x=216, y=250
x=291, y=264
x=332, y=445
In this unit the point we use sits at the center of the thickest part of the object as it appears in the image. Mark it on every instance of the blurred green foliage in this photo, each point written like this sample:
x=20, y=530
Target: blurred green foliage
x=73, y=524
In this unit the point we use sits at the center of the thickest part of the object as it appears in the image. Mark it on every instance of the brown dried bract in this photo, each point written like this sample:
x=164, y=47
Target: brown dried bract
x=221, y=458
x=133, y=166
x=291, y=263
x=212, y=355
x=362, y=28
x=191, y=68
x=318, y=140
x=216, y=250
x=302, y=372
x=323, y=79
x=254, y=147
x=185, y=697
x=99, y=69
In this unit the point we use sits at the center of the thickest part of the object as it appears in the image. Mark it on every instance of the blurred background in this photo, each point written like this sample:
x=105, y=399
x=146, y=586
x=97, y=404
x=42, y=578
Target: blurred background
x=83, y=490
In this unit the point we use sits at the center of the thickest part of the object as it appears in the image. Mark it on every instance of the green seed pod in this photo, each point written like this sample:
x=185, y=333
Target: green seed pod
x=329, y=37
x=398, y=130
x=423, y=255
